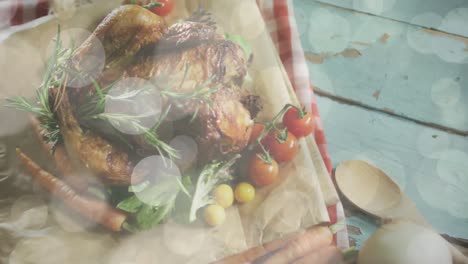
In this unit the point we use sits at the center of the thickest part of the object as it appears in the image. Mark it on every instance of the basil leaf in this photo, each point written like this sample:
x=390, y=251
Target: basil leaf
x=150, y=216
x=153, y=204
x=131, y=205
x=160, y=194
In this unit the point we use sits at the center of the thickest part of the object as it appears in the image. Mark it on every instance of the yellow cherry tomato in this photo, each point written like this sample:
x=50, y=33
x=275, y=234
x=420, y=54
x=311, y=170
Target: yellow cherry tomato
x=223, y=195
x=244, y=192
x=214, y=214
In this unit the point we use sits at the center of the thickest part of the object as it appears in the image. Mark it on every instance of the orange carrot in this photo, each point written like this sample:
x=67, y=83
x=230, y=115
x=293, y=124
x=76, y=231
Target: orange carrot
x=285, y=249
x=255, y=252
x=312, y=239
x=328, y=255
x=95, y=210
x=60, y=159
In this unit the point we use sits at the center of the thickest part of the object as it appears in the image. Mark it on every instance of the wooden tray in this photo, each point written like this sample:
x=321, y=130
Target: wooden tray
x=307, y=175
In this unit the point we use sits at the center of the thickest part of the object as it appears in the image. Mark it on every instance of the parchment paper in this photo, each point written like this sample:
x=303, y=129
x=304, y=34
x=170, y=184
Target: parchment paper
x=295, y=203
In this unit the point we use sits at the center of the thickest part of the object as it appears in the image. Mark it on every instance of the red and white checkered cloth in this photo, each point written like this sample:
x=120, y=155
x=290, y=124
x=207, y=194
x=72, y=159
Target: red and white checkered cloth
x=281, y=22
x=17, y=12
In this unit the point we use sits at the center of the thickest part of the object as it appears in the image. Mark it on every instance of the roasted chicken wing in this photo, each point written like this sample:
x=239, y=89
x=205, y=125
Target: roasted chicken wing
x=108, y=162
x=122, y=34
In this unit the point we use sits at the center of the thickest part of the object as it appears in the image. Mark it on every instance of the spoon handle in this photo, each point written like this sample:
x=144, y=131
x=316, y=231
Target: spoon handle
x=458, y=257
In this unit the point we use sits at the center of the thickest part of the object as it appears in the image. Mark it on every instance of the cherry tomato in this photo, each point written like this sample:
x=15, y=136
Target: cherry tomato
x=256, y=131
x=168, y=6
x=300, y=124
x=282, y=151
x=223, y=195
x=262, y=173
x=244, y=192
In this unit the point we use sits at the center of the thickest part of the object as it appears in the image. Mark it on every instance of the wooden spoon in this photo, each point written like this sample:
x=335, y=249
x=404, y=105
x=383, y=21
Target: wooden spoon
x=374, y=192
x=368, y=187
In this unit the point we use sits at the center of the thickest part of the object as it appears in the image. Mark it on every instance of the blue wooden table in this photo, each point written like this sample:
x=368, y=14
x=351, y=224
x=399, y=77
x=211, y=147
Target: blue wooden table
x=391, y=78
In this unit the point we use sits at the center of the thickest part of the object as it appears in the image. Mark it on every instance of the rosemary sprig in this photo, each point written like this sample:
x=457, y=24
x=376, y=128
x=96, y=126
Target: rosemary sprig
x=94, y=109
x=54, y=76
x=58, y=73
x=200, y=93
x=149, y=134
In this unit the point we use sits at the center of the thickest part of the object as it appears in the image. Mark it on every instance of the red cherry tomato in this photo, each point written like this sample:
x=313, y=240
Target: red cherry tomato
x=168, y=6
x=281, y=149
x=262, y=173
x=300, y=126
x=256, y=131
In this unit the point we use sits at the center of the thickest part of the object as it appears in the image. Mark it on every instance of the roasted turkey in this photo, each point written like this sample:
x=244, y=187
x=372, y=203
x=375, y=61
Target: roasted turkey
x=188, y=55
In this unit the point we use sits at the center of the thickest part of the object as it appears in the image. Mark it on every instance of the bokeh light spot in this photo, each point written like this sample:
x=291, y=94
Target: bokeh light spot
x=88, y=62
x=419, y=39
x=29, y=212
x=431, y=144
x=448, y=180
x=184, y=240
x=155, y=170
x=456, y=21
x=328, y=32
x=133, y=105
x=373, y=6
x=246, y=21
x=446, y=92
x=39, y=250
x=187, y=149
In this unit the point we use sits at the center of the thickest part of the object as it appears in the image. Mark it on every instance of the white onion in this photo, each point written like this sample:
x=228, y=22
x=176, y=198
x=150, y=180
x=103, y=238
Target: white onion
x=404, y=243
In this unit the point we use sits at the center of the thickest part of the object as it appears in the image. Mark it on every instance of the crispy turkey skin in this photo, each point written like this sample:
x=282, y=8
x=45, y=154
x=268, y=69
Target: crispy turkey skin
x=138, y=44
x=223, y=125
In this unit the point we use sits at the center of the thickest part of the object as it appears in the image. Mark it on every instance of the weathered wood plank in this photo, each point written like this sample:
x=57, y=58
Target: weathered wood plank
x=388, y=65
x=431, y=166
x=450, y=16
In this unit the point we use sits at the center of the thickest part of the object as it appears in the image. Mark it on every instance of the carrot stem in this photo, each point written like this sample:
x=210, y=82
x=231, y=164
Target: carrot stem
x=96, y=210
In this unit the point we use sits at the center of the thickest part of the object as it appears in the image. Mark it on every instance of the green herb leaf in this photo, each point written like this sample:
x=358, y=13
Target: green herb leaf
x=131, y=205
x=211, y=175
x=162, y=193
x=93, y=110
x=183, y=188
x=152, y=204
x=150, y=216
x=53, y=78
